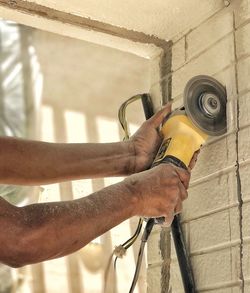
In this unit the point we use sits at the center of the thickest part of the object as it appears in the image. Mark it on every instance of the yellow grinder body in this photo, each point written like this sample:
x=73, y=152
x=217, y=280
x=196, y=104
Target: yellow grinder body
x=181, y=139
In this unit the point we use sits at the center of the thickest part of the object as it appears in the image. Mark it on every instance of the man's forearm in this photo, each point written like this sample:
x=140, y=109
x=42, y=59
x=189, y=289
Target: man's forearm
x=32, y=163
x=44, y=231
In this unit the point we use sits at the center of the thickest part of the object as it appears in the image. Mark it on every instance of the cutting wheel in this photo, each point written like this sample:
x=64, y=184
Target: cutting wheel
x=205, y=104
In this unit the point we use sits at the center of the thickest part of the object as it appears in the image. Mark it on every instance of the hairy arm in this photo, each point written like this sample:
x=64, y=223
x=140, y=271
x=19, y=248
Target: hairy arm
x=45, y=231
x=27, y=162
x=40, y=232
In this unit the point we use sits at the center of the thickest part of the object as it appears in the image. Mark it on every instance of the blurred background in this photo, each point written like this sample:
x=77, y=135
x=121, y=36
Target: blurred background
x=59, y=89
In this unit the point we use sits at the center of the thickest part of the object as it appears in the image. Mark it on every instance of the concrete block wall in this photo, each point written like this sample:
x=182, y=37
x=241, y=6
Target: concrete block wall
x=216, y=215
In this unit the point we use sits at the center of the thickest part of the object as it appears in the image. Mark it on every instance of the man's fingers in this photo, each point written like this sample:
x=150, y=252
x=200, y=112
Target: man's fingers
x=168, y=219
x=184, y=176
x=157, y=119
x=178, y=208
x=183, y=191
x=194, y=159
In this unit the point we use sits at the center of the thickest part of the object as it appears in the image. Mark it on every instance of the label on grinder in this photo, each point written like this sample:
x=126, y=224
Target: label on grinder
x=162, y=150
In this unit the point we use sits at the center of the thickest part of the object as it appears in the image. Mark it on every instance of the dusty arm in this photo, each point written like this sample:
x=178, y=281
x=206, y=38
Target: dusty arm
x=28, y=162
x=44, y=231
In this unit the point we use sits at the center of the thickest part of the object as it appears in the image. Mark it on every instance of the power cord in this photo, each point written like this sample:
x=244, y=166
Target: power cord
x=144, y=239
x=120, y=250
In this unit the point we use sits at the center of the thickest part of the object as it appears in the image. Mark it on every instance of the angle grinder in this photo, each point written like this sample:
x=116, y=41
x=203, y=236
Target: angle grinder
x=186, y=129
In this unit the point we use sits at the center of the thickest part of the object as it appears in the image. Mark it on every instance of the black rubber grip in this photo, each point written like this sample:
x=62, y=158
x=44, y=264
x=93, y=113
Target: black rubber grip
x=171, y=160
x=147, y=106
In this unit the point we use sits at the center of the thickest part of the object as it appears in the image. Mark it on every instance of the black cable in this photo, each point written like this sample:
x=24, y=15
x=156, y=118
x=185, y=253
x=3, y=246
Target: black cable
x=147, y=106
x=145, y=235
x=131, y=240
x=182, y=256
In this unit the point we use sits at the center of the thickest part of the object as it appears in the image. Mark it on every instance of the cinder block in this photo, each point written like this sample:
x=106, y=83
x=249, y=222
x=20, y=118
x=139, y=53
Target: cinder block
x=210, y=62
x=246, y=261
x=234, y=290
x=157, y=93
x=154, y=70
x=210, y=195
x=154, y=279
x=244, y=143
x=175, y=278
x=178, y=102
x=214, y=229
x=225, y=290
x=245, y=182
x=246, y=219
x=153, y=252
x=242, y=41
x=213, y=268
x=215, y=156
x=159, y=245
x=209, y=33
x=244, y=110
x=243, y=68
x=247, y=287
x=178, y=54
x=227, y=79
x=242, y=12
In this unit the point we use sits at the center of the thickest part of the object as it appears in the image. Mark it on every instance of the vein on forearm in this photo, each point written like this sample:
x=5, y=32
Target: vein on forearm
x=32, y=162
x=44, y=231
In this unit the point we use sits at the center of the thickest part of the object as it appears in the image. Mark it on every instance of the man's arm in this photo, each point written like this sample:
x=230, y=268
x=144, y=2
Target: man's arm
x=45, y=231
x=26, y=162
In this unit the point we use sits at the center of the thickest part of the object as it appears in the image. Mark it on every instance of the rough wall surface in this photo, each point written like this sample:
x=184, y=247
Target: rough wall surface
x=216, y=215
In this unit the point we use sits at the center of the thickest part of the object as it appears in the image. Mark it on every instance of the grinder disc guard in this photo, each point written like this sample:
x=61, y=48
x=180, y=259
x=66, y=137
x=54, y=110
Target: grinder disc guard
x=205, y=104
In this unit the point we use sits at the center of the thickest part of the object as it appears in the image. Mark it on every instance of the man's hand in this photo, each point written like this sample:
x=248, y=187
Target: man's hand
x=49, y=230
x=146, y=141
x=160, y=191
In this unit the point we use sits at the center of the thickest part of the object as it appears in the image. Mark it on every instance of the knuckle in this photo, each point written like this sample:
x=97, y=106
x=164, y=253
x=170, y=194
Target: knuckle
x=173, y=198
x=184, y=194
x=175, y=179
x=175, y=190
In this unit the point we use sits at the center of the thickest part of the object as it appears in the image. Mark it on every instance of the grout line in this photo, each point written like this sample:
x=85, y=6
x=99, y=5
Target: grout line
x=238, y=178
x=188, y=31
x=220, y=286
x=217, y=247
x=211, y=212
x=211, y=176
x=215, y=211
x=244, y=23
x=204, y=50
x=185, y=50
x=212, y=249
x=232, y=64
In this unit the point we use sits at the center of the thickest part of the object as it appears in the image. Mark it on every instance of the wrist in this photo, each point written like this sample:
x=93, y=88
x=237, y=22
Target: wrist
x=134, y=196
x=130, y=167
